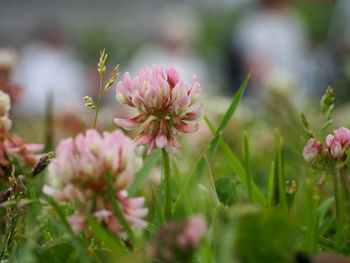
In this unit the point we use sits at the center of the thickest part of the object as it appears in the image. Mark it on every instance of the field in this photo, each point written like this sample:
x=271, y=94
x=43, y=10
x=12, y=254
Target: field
x=184, y=178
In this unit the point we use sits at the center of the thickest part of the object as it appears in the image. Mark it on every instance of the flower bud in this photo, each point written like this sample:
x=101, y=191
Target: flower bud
x=312, y=150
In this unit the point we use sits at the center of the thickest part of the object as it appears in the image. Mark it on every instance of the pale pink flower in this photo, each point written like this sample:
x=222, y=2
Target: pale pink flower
x=195, y=230
x=133, y=210
x=77, y=222
x=338, y=142
x=312, y=150
x=166, y=106
x=177, y=241
x=5, y=105
x=342, y=135
x=79, y=174
x=28, y=152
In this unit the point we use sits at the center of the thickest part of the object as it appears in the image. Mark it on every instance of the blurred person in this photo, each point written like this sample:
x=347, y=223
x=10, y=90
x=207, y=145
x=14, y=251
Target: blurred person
x=176, y=30
x=47, y=67
x=272, y=41
x=8, y=59
x=340, y=41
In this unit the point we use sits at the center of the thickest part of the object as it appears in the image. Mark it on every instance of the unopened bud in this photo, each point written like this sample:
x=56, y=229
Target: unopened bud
x=89, y=102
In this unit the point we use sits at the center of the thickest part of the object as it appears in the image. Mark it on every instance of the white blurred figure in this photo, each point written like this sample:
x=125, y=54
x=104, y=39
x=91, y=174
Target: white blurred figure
x=340, y=41
x=273, y=42
x=48, y=66
x=176, y=31
x=8, y=59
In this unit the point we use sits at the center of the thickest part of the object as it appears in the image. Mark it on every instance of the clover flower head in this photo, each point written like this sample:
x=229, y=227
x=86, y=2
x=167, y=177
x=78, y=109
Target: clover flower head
x=165, y=105
x=338, y=142
x=177, y=240
x=5, y=105
x=312, y=150
x=79, y=174
x=28, y=152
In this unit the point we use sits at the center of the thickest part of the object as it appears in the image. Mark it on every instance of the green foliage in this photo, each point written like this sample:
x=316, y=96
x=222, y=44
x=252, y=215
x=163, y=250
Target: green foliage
x=253, y=214
x=212, y=145
x=89, y=103
x=142, y=174
x=327, y=107
x=264, y=236
x=307, y=131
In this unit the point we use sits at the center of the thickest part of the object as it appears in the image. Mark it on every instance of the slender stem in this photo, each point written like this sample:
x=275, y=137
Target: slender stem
x=166, y=184
x=117, y=209
x=339, y=201
x=11, y=229
x=98, y=100
x=246, y=155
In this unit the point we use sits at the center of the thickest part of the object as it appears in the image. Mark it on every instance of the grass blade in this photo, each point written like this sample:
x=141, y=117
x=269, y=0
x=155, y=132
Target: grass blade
x=246, y=155
x=142, y=174
x=271, y=185
x=114, y=244
x=117, y=209
x=212, y=146
x=282, y=197
x=214, y=142
x=312, y=220
x=238, y=168
x=78, y=243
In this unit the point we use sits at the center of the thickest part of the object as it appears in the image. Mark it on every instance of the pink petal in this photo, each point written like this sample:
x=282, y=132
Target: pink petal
x=195, y=114
x=50, y=191
x=161, y=140
x=329, y=139
x=187, y=128
x=173, y=76
x=127, y=124
x=144, y=139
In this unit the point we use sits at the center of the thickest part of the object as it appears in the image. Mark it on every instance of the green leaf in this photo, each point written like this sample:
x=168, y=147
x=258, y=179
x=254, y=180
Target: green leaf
x=78, y=243
x=211, y=147
x=142, y=174
x=56, y=250
x=214, y=142
x=327, y=107
x=238, y=168
x=114, y=244
x=307, y=131
x=226, y=190
x=312, y=217
x=282, y=197
x=271, y=186
x=247, y=167
x=117, y=209
x=255, y=240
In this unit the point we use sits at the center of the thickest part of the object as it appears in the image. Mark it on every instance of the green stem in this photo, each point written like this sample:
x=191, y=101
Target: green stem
x=339, y=202
x=117, y=209
x=246, y=155
x=11, y=229
x=166, y=184
x=77, y=241
x=98, y=101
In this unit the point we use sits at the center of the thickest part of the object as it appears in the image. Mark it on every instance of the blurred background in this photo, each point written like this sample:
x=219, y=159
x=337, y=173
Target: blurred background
x=49, y=51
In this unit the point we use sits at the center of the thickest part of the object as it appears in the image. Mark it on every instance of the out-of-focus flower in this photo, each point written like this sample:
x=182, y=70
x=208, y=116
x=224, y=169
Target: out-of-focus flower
x=5, y=105
x=338, y=142
x=79, y=174
x=13, y=146
x=177, y=240
x=28, y=152
x=8, y=58
x=312, y=150
x=166, y=106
